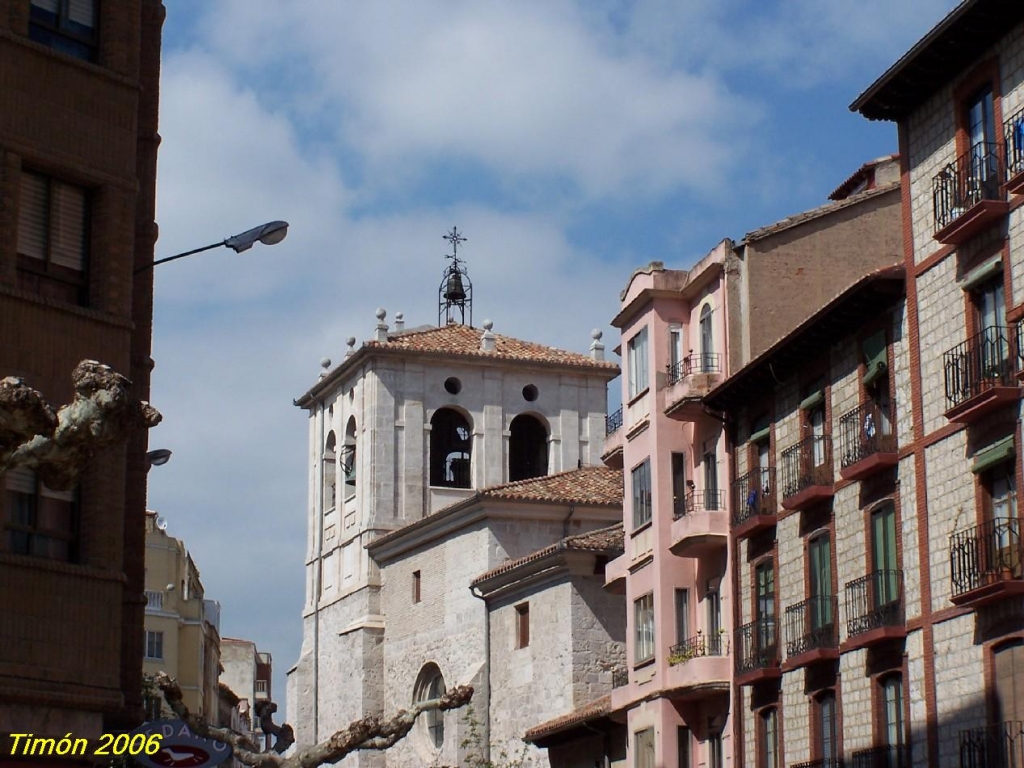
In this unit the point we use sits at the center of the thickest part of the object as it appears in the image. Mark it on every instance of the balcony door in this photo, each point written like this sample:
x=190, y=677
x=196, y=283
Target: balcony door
x=1001, y=512
x=710, y=480
x=990, y=317
x=820, y=570
x=817, y=421
x=764, y=575
x=892, y=719
x=1009, y=673
x=981, y=131
x=707, y=339
x=714, y=621
x=883, y=556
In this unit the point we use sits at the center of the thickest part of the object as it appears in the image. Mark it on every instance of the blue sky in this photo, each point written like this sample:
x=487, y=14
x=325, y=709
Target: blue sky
x=570, y=141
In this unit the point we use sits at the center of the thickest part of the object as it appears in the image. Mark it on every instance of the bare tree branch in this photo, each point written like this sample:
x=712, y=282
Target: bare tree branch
x=58, y=445
x=370, y=733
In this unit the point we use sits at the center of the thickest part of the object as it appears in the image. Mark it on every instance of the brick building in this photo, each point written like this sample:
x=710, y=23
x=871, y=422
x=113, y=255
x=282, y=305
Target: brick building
x=78, y=143
x=957, y=98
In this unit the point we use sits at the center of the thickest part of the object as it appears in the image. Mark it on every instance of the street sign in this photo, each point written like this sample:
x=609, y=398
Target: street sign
x=180, y=748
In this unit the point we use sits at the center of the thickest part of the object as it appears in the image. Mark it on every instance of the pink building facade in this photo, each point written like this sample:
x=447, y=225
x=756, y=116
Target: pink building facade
x=674, y=691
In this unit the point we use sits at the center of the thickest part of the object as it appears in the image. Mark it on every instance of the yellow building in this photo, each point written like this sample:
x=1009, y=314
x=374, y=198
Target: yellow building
x=182, y=628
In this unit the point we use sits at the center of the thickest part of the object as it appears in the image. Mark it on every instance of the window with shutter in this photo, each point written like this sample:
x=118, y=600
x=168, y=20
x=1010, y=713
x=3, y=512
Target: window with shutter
x=68, y=26
x=41, y=522
x=53, y=225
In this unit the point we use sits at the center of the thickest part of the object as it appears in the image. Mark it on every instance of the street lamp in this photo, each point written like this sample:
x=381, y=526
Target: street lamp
x=271, y=233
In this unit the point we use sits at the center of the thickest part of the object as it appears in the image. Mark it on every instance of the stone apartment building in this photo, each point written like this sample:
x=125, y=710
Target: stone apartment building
x=816, y=427
x=78, y=143
x=435, y=455
x=182, y=627
x=957, y=98
x=683, y=332
x=247, y=672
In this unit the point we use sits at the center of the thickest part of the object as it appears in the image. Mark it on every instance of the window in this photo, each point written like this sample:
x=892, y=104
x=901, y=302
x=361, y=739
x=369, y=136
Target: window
x=710, y=476
x=41, y=522
x=678, y=484
x=892, y=716
x=707, y=341
x=675, y=352
x=883, y=555
x=348, y=459
x=527, y=448
x=154, y=600
x=68, y=26
x=643, y=621
x=819, y=555
x=641, y=483
x=450, y=446
x=764, y=577
x=261, y=686
x=685, y=753
x=154, y=645
x=52, y=238
x=713, y=606
x=154, y=706
x=636, y=353
x=990, y=319
x=523, y=625
x=826, y=721
x=430, y=685
x=416, y=595
x=330, y=463
x=1000, y=495
x=768, y=725
x=682, y=615
x=643, y=746
x=715, y=757
x=981, y=133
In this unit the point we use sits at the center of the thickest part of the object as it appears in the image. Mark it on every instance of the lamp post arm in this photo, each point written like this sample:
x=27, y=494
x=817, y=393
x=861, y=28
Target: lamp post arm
x=152, y=264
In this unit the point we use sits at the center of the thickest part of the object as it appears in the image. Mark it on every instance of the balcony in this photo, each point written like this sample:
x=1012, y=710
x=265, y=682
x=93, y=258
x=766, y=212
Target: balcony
x=866, y=440
x=874, y=609
x=985, y=562
x=1013, y=136
x=807, y=472
x=1000, y=745
x=896, y=756
x=615, y=574
x=824, y=762
x=981, y=373
x=698, y=666
x=757, y=652
x=701, y=525
x=753, y=502
x=967, y=194
x=688, y=381
x=811, y=631
x=154, y=600
x=611, y=455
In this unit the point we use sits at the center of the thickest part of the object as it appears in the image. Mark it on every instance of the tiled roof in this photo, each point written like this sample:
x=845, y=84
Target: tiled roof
x=595, y=709
x=604, y=540
x=599, y=486
x=590, y=486
x=815, y=213
x=457, y=339
x=843, y=190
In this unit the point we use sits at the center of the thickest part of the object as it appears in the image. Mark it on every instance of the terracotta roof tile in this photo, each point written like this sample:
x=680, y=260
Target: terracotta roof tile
x=610, y=540
x=600, y=486
x=457, y=339
x=815, y=213
x=595, y=709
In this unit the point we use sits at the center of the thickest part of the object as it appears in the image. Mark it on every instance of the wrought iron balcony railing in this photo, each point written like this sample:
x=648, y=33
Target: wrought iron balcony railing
x=700, y=362
x=707, y=500
x=620, y=677
x=874, y=601
x=612, y=422
x=985, y=554
x=753, y=494
x=1000, y=745
x=974, y=176
x=811, y=625
x=824, y=762
x=865, y=431
x=807, y=463
x=1013, y=136
x=987, y=359
x=757, y=645
x=697, y=646
x=895, y=756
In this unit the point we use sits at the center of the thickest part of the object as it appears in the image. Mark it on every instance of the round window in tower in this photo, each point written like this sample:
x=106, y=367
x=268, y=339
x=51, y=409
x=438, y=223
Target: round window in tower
x=452, y=385
x=530, y=393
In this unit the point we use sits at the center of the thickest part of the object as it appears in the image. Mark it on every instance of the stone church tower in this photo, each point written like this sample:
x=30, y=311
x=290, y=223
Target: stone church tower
x=412, y=422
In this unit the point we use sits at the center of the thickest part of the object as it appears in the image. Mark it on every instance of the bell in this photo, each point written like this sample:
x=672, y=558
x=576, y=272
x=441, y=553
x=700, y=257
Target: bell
x=454, y=292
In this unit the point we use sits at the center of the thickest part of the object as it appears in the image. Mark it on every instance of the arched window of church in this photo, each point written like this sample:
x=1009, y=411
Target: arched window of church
x=450, y=449
x=430, y=685
x=527, y=448
x=330, y=479
x=348, y=458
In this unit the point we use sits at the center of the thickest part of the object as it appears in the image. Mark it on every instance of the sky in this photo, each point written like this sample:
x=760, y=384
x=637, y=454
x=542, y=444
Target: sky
x=570, y=142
